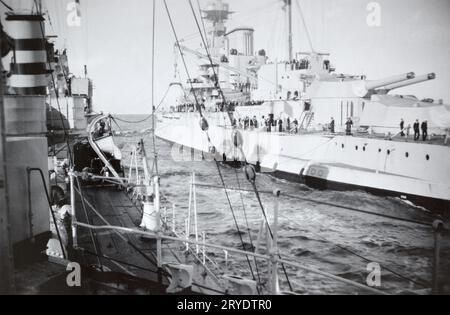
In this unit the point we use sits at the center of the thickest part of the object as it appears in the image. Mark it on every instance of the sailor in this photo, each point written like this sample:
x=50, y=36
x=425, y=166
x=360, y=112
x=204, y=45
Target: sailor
x=424, y=130
x=263, y=122
x=332, y=125
x=348, y=129
x=408, y=131
x=295, y=125
x=288, y=124
x=402, y=128
x=416, y=130
x=246, y=122
x=255, y=122
x=101, y=132
x=269, y=124
x=280, y=125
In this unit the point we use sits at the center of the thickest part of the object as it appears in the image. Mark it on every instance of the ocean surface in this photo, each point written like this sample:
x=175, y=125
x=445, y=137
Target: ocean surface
x=323, y=237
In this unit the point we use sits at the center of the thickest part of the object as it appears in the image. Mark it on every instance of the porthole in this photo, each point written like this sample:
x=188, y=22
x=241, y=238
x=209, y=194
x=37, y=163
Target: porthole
x=407, y=154
x=428, y=157
x=356, y=148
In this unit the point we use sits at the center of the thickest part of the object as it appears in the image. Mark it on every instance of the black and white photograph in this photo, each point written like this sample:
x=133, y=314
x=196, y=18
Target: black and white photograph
x=231, y=149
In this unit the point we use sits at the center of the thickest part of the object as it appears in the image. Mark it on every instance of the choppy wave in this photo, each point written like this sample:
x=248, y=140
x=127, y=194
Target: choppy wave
x=317, y=235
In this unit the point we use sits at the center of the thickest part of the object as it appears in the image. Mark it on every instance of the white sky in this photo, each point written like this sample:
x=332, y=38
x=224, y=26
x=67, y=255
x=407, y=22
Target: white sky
x=114, y=40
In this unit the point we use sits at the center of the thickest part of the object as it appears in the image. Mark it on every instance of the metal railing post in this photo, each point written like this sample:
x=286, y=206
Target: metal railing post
x=186, y=222
x=194, y=192
x=438, y=227
x=173, y=219
x=159, y=250
x=72, y=207
x=274, y=247
x=203, y=247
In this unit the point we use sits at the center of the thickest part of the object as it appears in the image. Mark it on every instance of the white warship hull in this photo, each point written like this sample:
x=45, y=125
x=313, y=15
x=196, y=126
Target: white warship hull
x=415, y=171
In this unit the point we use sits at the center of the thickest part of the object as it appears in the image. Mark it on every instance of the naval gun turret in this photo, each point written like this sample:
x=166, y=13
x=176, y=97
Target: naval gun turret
x=417, y=80
x=364, y=88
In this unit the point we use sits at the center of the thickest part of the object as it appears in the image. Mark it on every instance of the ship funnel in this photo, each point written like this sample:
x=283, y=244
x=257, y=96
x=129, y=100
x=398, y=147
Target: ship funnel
x=371, y=85
x=420, y=79
x=29, y=75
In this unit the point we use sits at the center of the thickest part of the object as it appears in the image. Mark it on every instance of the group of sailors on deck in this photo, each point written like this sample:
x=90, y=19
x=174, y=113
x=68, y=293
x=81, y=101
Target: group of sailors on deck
x=219, y=107
x=268, y=124
x=417, y=127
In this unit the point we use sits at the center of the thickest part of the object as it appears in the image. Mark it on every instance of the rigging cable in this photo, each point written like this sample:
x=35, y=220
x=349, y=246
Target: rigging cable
x=126, y=240
x=302, y=17
x=237, y=176
x=233, y=123
x=6, y=6
x=201, y=16
x=351, y=209
x=270, y=230
x=92, y=233
x=199, y=108
x=151, y=271
x=147, y=117
x=217, y=85
x=246, y=223
x=420, y=282
x=216, y=77
x=66, y=134
x=155, y=161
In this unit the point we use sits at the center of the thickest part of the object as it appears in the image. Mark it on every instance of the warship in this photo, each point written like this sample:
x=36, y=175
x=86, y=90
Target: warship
x=301, y=120
x=75, y=219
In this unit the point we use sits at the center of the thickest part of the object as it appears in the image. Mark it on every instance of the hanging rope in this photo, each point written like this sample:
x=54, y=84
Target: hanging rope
x=270, y=230
x=201, y=16
x=155, y=160
x=126, y=240
x=216, y=77
x=230, y=114
x=247, y=224
x=66, y=133
x=6, y=6
x=235, y=220
x=92, y=233
x=209, y=140
x=351, y=209
x=302, y=17
x=147, y=117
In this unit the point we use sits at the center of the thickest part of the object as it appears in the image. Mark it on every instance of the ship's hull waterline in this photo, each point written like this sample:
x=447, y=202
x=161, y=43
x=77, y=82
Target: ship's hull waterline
x=418, y=172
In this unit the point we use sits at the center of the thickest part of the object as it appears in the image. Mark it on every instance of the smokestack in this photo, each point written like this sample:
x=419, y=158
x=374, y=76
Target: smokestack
x=29, y=68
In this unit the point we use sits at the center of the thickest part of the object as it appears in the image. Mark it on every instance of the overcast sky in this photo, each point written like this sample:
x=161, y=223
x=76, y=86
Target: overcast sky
x=114, y=40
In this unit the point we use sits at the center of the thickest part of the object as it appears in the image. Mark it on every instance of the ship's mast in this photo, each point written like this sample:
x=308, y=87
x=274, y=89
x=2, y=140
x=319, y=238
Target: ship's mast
x=216, y=15
x=290, y=38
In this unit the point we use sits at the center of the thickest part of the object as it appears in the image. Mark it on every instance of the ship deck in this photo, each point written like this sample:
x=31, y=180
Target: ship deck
x=129, y=254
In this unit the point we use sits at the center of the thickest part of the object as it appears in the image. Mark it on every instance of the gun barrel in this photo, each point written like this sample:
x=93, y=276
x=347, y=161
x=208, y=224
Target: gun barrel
x=420, y=79
x=371, y=85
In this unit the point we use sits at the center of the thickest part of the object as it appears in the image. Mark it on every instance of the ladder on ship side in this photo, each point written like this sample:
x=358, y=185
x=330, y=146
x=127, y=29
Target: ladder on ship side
x=308, y=118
